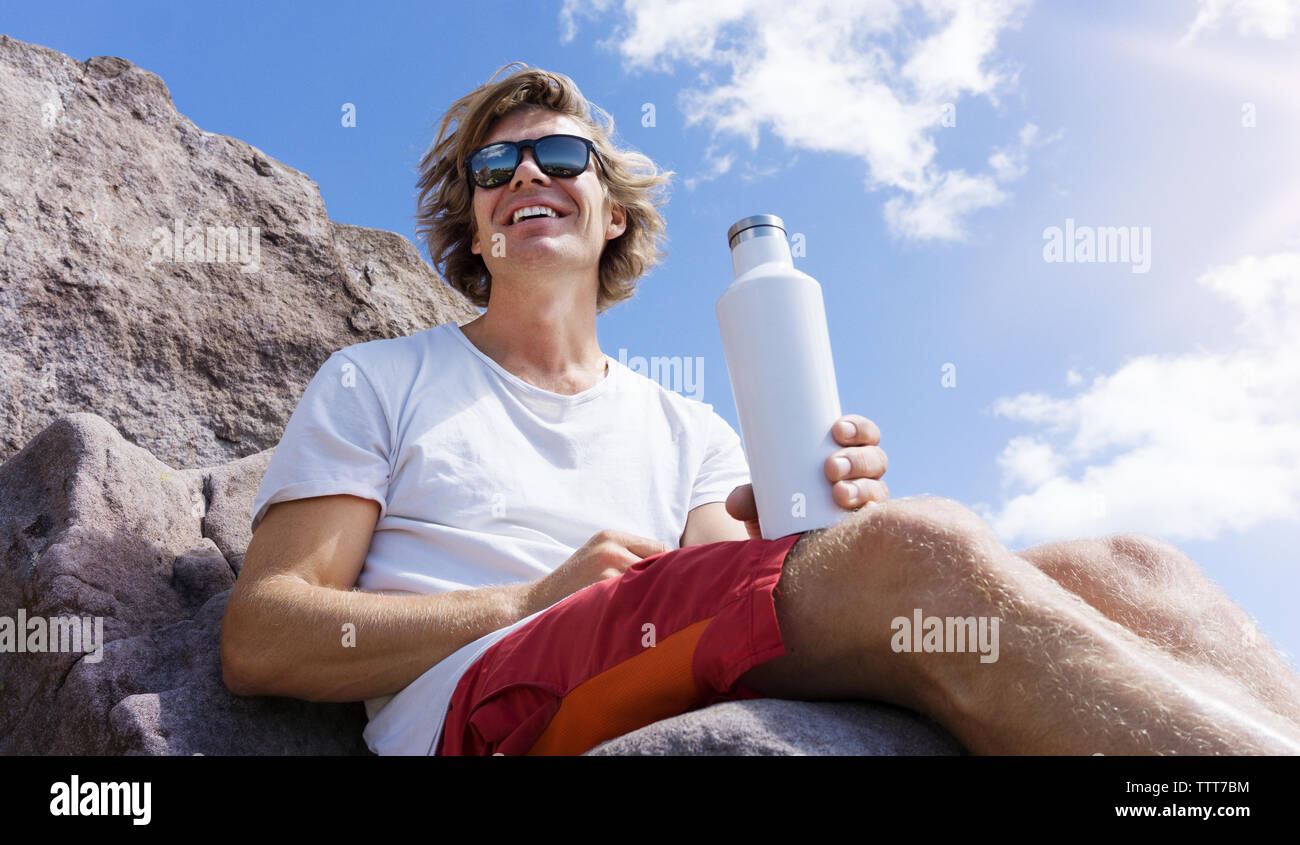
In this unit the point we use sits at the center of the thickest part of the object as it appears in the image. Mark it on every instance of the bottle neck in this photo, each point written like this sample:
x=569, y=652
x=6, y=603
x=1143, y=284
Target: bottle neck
x=764, y=249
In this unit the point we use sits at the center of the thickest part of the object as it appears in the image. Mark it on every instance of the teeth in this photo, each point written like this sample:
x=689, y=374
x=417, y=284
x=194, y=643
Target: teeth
x=533, y=209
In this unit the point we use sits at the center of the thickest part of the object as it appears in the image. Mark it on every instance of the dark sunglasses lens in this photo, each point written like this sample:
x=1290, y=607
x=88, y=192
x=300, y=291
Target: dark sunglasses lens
x=557, y=155
x=562, y=156
x=493, y=165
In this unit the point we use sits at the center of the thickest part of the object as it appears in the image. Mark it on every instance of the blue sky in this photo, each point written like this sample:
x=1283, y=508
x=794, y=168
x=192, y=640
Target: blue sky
x=922, y=153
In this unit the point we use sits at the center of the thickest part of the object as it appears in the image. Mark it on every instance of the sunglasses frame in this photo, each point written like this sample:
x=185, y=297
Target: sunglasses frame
x=530, y=144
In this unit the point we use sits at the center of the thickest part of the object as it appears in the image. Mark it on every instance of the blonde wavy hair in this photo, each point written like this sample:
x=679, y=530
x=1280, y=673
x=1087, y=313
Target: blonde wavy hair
x=445, y=216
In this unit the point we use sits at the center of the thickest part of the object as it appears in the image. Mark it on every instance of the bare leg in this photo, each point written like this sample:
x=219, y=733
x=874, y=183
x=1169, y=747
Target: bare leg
x=1069, y=679
x=1158, y=593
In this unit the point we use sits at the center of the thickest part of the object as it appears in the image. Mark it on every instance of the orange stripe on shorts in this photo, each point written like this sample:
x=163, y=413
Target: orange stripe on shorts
x=653, y=685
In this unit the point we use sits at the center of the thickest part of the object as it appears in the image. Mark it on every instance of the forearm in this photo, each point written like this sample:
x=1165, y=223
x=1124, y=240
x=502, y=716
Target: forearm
x=1070, y=681
x=285, y=636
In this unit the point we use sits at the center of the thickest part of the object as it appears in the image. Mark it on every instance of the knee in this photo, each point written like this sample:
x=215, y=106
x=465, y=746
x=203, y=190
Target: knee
x=928, y=524
x=1154, y=562
x=933, y=518
x=1134, y=567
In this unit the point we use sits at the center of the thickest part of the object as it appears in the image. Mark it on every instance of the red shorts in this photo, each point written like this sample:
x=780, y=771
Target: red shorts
x=671, y=634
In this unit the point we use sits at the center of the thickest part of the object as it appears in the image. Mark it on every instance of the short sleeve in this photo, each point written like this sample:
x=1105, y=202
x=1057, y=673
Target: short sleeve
x=724, y=467
x=337, y=441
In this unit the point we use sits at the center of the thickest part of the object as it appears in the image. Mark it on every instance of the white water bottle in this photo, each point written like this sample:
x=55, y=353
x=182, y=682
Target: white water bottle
x=773, y=324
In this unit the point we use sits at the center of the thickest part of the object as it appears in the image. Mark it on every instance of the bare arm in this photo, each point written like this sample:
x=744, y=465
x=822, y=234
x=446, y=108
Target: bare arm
x=711, y=523
x=283, y=632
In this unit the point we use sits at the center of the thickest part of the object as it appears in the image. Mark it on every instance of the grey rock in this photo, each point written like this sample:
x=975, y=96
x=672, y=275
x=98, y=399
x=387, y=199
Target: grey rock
x=95, y=526
x=201, y=573
x=769, y=727
x=228, y=492
x=198, y=361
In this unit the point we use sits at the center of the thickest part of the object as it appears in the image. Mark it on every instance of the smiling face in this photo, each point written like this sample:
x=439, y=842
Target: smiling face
x=574, y=238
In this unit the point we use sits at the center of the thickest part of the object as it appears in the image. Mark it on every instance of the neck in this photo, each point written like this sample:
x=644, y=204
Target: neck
x=543, y=332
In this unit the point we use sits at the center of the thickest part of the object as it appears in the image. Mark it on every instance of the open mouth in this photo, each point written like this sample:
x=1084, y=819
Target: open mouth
x=534, y=212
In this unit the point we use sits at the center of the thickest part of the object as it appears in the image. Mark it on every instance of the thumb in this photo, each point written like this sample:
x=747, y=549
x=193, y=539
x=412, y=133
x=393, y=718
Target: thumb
x=741, y=505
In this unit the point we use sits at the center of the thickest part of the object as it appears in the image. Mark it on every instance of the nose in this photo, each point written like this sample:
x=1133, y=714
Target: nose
x=534, y=171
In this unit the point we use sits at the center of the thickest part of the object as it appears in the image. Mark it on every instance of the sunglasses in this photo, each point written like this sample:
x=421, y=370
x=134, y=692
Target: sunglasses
x=557, y=155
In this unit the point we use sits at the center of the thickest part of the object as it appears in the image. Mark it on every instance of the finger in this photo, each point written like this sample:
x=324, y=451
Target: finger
x=642, y=547
x=859, y=492
x=857, y=462
x=741, y=505
x=855, y=430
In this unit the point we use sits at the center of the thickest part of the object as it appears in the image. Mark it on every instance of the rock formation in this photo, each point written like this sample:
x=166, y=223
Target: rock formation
x=96, y=526
x=197, y=353
x=771, y=726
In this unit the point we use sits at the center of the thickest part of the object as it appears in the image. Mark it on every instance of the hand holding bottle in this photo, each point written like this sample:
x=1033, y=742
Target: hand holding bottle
x=854, y=486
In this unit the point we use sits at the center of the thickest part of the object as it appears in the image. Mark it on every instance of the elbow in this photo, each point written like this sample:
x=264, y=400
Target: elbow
x=234, y=674
x=238, y=666
x=248, y=667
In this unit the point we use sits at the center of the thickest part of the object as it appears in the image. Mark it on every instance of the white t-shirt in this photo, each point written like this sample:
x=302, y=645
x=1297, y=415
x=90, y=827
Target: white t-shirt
x=483, y=479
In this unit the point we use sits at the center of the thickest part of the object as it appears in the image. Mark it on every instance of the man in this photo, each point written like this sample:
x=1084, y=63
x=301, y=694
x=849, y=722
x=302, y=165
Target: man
x=506, y=542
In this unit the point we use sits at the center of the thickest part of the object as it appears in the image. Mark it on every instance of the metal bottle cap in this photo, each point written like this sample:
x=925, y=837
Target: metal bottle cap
x=755, y=226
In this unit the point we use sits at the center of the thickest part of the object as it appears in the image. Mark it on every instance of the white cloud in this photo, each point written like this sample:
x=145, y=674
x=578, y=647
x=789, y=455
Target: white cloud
x=951, y=61
x=1029, y=462
x=864, y=78
x=1010, y=163
x=717, y=166
x=937, y=212
x=1274, y=19
x=572, y=10
x=1178, y=446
